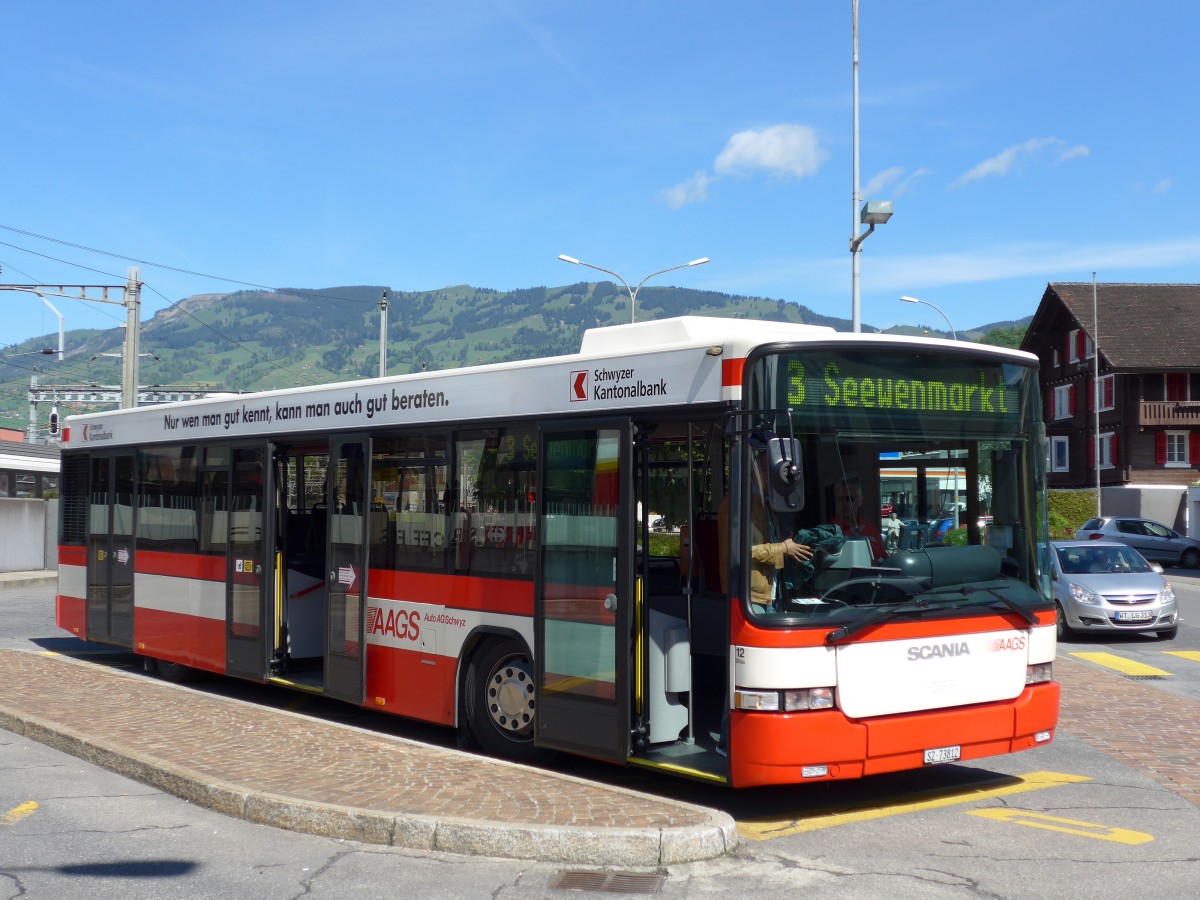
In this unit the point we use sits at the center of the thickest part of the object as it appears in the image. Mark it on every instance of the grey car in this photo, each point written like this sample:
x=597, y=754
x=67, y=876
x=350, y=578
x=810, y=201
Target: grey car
x=1153, y=540
x=1105, y=586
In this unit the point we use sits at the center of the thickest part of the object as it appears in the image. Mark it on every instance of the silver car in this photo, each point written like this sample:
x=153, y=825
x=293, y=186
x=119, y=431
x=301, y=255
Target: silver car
x=1104, y=586
x=1153, y=540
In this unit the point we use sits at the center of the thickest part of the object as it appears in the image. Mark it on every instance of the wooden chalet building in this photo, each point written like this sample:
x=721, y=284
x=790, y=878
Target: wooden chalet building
x=1149, y=420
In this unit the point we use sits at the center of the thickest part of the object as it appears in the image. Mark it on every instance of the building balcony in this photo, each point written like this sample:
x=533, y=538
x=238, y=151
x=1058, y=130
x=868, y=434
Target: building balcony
x=1169, y=412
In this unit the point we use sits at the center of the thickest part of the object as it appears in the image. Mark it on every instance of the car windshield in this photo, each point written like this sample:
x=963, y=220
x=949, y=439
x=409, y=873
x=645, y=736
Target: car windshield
x=1100, y=560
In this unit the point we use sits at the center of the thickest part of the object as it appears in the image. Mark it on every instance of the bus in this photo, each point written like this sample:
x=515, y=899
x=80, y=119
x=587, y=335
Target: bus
x=28, y=470
x=466, y=547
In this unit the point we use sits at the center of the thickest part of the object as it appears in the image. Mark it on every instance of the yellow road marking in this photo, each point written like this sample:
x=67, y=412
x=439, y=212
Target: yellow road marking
x=1121, y=664
x=17, y=813
x=761, y=830
x=1193, y=655
x=1085, y=829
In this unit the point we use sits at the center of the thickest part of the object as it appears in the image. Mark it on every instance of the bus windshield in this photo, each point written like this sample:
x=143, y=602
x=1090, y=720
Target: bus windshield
x=916, y=484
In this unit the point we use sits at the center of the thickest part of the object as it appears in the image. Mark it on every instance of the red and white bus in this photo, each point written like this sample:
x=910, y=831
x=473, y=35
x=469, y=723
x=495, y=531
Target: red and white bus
x=469, y=547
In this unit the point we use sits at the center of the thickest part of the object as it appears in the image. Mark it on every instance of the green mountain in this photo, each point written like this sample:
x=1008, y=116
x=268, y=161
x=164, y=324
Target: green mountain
x=258, y=340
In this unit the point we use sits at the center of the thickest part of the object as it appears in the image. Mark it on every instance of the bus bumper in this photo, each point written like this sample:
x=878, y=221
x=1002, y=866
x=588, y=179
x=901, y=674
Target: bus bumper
x=775, y=748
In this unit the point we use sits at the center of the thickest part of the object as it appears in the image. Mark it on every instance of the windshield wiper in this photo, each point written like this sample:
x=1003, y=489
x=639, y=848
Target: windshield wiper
x=966, y=590
x=840, y=634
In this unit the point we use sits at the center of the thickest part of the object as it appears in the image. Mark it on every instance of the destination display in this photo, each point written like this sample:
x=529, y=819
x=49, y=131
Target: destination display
x=929, y=393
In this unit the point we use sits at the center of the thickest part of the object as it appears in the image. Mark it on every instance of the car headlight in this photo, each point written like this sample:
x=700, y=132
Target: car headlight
x=1167, y=594
x=1083, y=595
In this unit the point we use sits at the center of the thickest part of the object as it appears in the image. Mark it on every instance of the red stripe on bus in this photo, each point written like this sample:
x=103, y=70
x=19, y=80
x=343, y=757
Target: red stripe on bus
x=71, y=555
x=70, y=614
x=459, y=591
x=731, y=372
x=180, y=565
x=189, y=640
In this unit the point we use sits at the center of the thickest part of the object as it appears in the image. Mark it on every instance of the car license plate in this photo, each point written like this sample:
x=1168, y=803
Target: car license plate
x=1139, y=615
x=942, y=755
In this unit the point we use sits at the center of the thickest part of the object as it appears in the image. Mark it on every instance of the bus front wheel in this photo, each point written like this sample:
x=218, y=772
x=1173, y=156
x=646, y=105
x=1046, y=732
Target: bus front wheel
x=501, y=704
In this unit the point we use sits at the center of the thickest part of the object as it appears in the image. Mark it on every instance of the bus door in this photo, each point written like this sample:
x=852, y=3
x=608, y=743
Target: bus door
x=348, y=500
x=584, y=591
x=111, y=550
x=250, y=562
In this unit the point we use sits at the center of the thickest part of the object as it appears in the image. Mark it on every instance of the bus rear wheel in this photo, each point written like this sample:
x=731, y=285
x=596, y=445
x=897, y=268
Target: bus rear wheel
x=501, y=704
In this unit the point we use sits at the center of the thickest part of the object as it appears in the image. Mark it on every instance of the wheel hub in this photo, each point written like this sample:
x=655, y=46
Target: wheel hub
x=510, y=696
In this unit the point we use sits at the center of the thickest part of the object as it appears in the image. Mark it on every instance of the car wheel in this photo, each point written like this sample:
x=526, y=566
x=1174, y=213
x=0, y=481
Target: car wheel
x=1062, y=630
x=1190, y=559
x=1169, y=634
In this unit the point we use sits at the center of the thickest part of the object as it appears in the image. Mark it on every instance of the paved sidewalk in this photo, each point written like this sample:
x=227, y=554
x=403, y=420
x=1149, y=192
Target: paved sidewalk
x=296, y=772
x=21, y=579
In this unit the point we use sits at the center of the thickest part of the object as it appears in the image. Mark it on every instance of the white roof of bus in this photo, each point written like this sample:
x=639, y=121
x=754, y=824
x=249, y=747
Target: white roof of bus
x=693, y=331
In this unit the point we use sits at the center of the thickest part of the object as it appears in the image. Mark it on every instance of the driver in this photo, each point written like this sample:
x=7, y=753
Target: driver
x=768, y=553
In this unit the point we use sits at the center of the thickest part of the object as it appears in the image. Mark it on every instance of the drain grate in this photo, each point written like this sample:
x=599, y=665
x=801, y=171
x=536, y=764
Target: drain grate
x=1145, y=677
x=607, y=882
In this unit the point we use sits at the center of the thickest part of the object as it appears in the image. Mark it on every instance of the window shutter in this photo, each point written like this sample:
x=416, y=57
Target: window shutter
x=1194, y=448
x=1112, y=451
x=1071, y=400
x=1091, y=392
x=1160, y=449
x=1110, y=392
x=1091, y=454
x=1080, y=344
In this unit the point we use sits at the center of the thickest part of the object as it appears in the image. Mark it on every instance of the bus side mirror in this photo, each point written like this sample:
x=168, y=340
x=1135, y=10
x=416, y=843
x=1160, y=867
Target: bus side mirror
x=786, y=462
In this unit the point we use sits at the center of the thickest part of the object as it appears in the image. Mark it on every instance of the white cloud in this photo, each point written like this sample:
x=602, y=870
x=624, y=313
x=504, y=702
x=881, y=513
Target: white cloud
x=694, y=190
x=893, y=176
x=790, y=150
x=1162, y=187
x=1004, y=161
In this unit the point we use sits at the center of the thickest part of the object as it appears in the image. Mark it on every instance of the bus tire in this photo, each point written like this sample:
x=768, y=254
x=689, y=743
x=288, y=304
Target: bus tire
x=176, y=673
x=500, y=701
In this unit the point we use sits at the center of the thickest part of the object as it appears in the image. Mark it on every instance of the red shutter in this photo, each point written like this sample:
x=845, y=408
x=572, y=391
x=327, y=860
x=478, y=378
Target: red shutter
x=1109, y=386
x=1194, y=448
x=1051, y=412
x=1071, y=400
x=1091, y=392
x=1091, y=454
x=1080, y=344
x=1160, y=449
x=1112, y=451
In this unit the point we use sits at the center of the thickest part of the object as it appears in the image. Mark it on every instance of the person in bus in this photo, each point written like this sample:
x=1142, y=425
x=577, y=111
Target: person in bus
x=847, y=509
x=771, y=543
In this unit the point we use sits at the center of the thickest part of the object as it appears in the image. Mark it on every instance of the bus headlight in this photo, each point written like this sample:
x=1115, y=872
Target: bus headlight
x=809, y=698
x=783, y=701
x=1039, y=673
x=756, y=701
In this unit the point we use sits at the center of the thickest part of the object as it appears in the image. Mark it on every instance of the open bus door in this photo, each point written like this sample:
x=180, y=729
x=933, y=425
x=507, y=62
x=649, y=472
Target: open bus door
x=349, y=502
x=584, y=592
x=250, y=562
x=110, y=550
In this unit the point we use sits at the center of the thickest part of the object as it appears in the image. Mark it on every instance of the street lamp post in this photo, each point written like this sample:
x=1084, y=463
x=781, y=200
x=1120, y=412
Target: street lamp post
x=633, y=292
x=872, y=213
x=953, y=333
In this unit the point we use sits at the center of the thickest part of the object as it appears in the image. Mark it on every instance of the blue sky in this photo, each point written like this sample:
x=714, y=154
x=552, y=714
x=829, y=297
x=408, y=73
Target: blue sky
x=420, y=145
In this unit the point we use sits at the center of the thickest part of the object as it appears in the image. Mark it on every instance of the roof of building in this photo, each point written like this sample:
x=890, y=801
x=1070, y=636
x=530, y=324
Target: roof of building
x=1141, y=326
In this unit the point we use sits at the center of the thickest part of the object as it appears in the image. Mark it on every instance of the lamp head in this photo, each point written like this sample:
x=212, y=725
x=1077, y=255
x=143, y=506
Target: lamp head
x=876, y=212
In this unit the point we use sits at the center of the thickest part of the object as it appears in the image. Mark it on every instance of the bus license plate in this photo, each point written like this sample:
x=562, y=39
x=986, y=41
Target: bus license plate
x=942, y=755
x=1139, y=615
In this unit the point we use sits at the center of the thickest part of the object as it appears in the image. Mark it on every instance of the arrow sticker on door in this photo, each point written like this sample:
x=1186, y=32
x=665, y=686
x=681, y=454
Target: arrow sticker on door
x=347, y=576
x=123, y=556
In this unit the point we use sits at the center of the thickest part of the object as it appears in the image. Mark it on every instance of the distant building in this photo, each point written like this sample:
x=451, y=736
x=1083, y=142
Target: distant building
x=1148, y=450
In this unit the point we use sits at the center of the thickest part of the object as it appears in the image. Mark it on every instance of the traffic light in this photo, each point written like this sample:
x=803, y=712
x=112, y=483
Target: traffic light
x=54, y=422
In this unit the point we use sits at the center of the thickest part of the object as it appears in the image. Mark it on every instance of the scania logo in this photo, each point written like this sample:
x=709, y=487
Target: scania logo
x=938, y=651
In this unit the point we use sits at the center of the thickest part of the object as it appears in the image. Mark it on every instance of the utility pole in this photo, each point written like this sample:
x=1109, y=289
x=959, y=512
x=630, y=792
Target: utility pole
x=383, y=308
x=133, y=319
x=133, y=308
